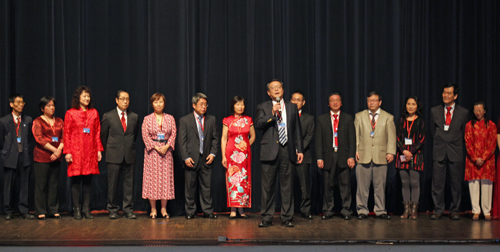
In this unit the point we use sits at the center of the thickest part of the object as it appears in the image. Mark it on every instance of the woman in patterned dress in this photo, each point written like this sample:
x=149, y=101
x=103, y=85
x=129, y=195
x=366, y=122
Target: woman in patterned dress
x=158, y=134
x=238, y=134
x=480, y=142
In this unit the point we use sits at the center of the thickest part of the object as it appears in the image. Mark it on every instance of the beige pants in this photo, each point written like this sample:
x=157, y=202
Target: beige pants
x=483, y=188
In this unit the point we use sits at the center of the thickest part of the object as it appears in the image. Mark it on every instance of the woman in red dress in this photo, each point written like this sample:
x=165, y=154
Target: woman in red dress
x=238, y=134
x=158, y=133
x=480, y=141
x=495, y=211
x=82, y=146
x=47, y=131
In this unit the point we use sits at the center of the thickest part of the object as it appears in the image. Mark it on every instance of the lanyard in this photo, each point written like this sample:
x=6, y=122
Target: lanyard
x=18, y=123
x=409, y=128
x=202, y=124
x=371, y=120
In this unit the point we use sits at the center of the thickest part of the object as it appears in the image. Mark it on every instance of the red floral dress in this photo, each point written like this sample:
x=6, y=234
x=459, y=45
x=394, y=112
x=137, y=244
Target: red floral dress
x=495, y=210
x=480, y=142
x=239, y=162
x=82, y=146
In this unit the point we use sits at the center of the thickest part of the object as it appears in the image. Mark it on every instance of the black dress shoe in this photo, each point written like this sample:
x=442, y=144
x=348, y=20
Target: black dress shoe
x=455, y=216
x=113, y=216
x=326, y=217
x=287, y=224
x=307, y=216
x=54, y=216
x=189, y=216
x=129, y=215
x=28, y=216
x=265, y=224
x=243, y=216
x=346, y=217
x=9, y=216
x=362, y=216
x=210, y=216
x=436, y=216
x=384, y=217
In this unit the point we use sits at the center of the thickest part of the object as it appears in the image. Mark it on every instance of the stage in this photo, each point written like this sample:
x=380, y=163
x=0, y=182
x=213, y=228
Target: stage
x=177, y=231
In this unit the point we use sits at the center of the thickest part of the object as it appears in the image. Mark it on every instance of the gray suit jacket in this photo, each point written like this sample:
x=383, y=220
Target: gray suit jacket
x=119, y=145
x=307, y=126
x=384, y=141
x=8, y=140
x=448, y=143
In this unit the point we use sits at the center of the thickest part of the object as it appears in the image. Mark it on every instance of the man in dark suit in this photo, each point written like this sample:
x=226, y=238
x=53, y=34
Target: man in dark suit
x=335, y=152
x=280, y=149
x=16, y=140
x=198, y=144
x=447, y=129
x=302, y=170
x=119, y=128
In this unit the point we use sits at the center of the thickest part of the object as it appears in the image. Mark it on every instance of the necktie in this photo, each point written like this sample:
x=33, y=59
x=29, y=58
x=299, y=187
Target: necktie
x=200, y=132
x=448, y=116
x=374, y=122
x=282, y=133
x=335, y=127
x=18, y=123
x=300, y=114
x=124, y=125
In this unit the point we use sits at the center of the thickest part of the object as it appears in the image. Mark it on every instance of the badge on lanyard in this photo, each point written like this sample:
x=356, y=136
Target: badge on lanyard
x=372, y=133
x=335, y=134
x=408, y=141
x=161, y=136
x=446, y=127
x=281, y=125
x=86, y=130
x=18, y=139
x=55, y=139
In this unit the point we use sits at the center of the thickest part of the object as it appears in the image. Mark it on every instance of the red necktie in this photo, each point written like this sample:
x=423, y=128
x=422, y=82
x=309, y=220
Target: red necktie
x=448, y=116
x=300, y=113
x=335, y=126
x=124, y=125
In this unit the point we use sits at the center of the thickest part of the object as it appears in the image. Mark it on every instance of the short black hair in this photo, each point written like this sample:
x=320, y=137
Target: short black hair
x=75, y=101
x=334, y=93
x=454, y=86
x=374, y=93
x=121, y=91
x=273, y=80
x=474, y=119
x=298, y=92
x=235, y=100
x=44, y=101
x=12, y=97
x=404, y=112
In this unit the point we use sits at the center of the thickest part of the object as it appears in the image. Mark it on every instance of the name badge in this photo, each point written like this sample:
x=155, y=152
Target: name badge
x=403, y=158
x=86, y=130
x=55, y=139
x=408, y=141
x=281, y=125
x=372, y=133
x=335, y=134
x=161, y=136
x=446, y=127
x=19, y=140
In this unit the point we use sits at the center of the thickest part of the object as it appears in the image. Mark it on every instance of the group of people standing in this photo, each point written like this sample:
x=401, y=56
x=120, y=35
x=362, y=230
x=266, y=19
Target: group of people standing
x=368, y=142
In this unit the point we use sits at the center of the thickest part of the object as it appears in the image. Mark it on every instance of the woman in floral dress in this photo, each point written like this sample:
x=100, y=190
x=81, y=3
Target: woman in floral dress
x=238, y=134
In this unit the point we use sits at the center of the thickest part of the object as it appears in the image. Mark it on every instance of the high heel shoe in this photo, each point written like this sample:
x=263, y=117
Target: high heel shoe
x=152, y=215
x=86, y=213
x=77, y=213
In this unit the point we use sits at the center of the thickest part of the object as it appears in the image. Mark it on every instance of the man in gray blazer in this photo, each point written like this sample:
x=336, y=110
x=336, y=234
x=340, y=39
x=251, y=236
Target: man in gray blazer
x=119, y=129
x=375, y=148
x=447, y=127
x=303, y=169
x=198, y=143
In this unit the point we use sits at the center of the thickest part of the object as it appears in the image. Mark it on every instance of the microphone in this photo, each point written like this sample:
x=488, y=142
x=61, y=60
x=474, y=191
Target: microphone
x=278, y=113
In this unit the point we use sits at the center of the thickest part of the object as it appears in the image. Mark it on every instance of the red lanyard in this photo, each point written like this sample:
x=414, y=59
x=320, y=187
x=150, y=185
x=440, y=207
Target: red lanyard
x=18, y=123
x=200, y=123
x=371, y=120
x=409, y=129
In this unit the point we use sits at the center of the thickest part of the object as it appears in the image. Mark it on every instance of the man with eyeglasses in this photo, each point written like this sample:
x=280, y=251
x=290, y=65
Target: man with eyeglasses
x=198, y=142
x=119, y=129
x=375, y=148
x=16, y=140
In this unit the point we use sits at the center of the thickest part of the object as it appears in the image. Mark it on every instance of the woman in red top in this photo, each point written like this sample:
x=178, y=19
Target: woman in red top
x=48, y=134
x=480, y=141
x=82, y=148
x=238, y=134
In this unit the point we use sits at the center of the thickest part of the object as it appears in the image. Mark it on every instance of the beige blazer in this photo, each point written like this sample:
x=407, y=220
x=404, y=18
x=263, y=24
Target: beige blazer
x=384, y=140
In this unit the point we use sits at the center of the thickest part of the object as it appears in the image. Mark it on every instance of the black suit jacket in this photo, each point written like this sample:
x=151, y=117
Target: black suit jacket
x=119, y=145
x=8, y=140
x=189, y=141
x=267, y=122
x=448, y=143
x=346, y=139
x=307, y=127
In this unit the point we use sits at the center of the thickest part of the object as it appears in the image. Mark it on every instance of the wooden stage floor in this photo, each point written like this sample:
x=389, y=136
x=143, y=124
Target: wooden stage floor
x=178, y=231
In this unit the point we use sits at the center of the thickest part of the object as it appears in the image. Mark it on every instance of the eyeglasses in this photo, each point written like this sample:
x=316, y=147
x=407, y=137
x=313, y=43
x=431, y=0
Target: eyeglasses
x=203, y=105
x=124, y=99
x=372, y=100
x=296, y=100
x=19, y=102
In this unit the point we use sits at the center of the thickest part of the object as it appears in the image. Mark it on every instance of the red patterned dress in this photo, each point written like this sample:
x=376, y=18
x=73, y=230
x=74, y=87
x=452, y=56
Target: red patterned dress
x=158, y=178
x=480, y=142
x=82, y=146
x=239, y=162
x=495, y=210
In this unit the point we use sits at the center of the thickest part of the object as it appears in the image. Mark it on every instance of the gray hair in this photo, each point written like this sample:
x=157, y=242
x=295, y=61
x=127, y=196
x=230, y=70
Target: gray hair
x=197, y=97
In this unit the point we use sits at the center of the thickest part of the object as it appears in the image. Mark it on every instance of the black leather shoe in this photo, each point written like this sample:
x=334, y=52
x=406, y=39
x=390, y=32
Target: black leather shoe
x=326, y=217
x=455, y=216
x=54, y=216
x=346, y=217
x=362, y=216
x=113, y=216
x=28, y=216
x=265, y=224
x=210, y=216
x=436, y=216
x=9, y=216
x=243, y=216
x=129, y=215
x=384, y=217
x=307, y=216
x=287, y=224
x=189, y=216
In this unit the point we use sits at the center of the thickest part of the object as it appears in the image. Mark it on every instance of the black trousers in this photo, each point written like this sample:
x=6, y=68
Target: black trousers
x=302, y=174
x=77, y=184
x=46, y=182
x=270, y=171
x=16, y=180
x=127, y=171
x=439, y=172
x=344, y=180
x=198, y=179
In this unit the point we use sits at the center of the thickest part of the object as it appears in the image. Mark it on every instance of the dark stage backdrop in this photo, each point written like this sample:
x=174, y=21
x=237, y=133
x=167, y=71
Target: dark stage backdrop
x=225, y=48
